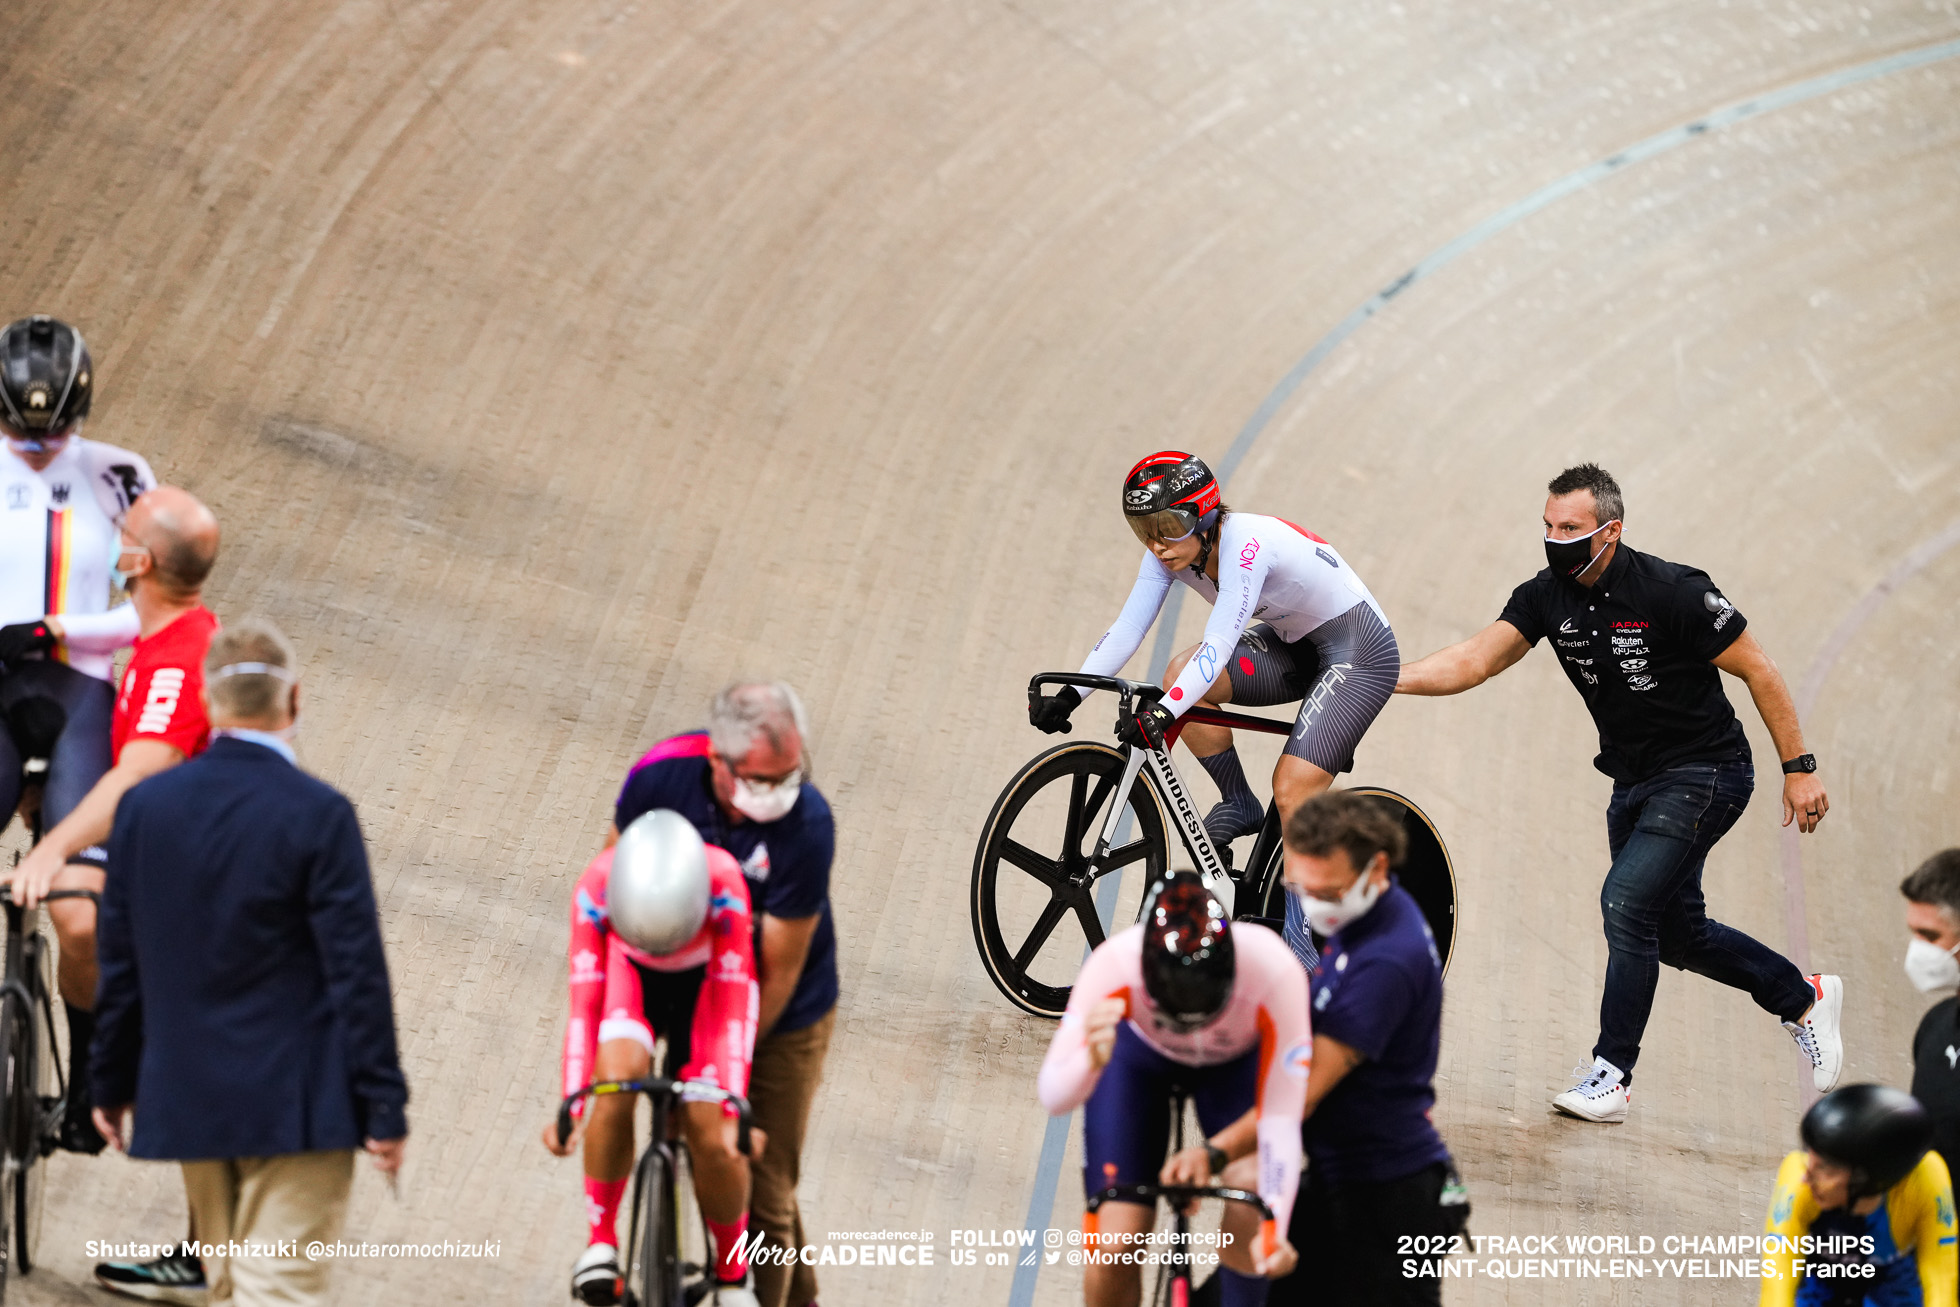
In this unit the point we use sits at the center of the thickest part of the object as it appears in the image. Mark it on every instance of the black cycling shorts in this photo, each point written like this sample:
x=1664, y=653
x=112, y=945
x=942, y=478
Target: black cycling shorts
x=667, y=1000
x=1342, y=672
x=79, y=708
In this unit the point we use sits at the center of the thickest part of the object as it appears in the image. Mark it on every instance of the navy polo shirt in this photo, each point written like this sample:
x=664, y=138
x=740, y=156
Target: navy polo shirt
x=786, y=862
x=1379, y=990
x=1638, y=646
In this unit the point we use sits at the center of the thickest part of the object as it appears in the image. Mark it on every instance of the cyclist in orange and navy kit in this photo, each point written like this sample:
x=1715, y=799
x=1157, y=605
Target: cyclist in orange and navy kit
x=169, y=542
x=1185, y=999
x=699, y=992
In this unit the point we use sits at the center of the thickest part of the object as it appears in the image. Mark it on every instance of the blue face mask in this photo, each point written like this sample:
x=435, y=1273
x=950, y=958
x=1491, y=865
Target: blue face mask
x=118, y=578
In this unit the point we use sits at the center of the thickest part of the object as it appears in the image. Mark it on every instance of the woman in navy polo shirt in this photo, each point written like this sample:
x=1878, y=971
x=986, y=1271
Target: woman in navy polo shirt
x=1376, y=1168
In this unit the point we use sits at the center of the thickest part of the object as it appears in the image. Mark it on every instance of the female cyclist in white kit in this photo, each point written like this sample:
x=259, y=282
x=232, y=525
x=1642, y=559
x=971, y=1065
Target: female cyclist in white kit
x=1316, y=635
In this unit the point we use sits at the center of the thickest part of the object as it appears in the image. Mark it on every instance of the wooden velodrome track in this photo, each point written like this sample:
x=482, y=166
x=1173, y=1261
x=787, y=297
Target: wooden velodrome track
x=549, y=363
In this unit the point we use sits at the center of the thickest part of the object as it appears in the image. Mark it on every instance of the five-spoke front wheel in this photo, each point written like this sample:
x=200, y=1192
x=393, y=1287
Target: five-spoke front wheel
x=1034, y=907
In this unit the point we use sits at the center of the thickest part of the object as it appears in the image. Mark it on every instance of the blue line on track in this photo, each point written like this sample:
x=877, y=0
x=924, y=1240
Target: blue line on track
x=1041, y=1203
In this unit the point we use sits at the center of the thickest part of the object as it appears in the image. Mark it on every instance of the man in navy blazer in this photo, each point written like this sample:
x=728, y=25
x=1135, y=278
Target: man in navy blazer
x=244, y=1008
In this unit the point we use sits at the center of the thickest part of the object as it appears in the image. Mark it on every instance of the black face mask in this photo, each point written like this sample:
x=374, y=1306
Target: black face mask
x=1571, y=557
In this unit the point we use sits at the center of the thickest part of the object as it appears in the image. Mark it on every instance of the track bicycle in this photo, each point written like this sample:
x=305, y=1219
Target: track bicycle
x=33, y=1080
x=1108, y=805
x=1173, y=1286
x=670, y=1256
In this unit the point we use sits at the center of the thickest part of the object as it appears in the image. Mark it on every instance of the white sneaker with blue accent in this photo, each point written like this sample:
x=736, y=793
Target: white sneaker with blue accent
x=1819, y=1034
x=1599, y=1095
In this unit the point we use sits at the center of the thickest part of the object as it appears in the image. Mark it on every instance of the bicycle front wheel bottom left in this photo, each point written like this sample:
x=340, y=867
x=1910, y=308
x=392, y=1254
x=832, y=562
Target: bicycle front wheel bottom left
x=36, y=1103
x=654, y=1278
x=1034, y=905
x=19, y=1111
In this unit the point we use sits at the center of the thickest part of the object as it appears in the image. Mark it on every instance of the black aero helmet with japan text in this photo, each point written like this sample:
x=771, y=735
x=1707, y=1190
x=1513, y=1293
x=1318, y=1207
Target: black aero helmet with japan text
x=1168, y=495
x=1188, y=957
x=1877, y=1133
x=46, y=378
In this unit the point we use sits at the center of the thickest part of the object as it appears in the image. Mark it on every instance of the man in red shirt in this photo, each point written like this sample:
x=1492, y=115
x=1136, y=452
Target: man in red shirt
x=169, y=542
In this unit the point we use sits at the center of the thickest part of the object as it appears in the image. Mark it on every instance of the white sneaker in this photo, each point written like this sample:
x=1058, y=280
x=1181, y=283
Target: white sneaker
x=737, y=1295
x=1819, y=1035
x=1599, y=1095
x=596, y=1280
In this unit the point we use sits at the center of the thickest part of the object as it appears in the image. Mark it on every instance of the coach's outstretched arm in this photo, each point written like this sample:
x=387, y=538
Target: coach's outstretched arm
x=1461, y=666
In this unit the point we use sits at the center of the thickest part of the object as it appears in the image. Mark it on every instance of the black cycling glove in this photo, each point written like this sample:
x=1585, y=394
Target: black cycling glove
x=25, y=638
x=1144, y=728
x=1049, y=712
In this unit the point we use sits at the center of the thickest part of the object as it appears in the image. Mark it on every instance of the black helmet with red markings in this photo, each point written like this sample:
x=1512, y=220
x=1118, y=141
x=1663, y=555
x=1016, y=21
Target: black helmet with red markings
x=1168, y=495
x=46, y=380
x=1189, y=963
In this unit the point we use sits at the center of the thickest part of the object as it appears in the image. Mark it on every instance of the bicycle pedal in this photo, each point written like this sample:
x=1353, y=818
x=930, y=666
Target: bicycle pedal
x=697, y=1291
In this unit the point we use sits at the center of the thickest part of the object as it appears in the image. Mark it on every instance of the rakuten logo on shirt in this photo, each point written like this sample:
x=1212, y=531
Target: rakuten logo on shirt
x=166, y=685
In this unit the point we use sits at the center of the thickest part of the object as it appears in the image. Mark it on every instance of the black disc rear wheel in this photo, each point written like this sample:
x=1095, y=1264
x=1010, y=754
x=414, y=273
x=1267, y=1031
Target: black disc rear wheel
x=1426, y=873
x=1034, y=893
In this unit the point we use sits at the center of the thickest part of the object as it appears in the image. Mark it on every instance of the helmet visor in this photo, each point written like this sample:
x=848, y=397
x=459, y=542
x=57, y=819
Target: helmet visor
x=1165, y=526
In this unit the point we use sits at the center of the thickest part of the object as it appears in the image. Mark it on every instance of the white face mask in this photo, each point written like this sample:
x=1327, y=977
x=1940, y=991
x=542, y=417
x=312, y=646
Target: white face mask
x=760, y=802
x=1930, y=967
x=1325, y=918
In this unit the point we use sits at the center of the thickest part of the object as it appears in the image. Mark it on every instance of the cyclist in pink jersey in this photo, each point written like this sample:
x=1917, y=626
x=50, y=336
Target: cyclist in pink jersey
x=1185, y=999
x=701, y=996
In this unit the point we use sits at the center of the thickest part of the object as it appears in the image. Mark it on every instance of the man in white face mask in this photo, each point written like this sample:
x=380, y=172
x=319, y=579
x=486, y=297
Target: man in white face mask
x=1378, y=1170
x=1932, y=894
x=744, y=783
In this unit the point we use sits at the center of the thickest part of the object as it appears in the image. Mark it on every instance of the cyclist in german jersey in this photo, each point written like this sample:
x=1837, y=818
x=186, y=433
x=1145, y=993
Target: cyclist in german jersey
x=1185, y=999
x=64, y=499
x=1865, y=1212
x=700, y=994
x=1290, y=620
x=169, y=542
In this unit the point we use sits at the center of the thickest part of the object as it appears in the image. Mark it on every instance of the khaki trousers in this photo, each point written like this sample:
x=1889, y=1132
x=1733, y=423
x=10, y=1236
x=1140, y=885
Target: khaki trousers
x=782, y=1086
x=290, y=1199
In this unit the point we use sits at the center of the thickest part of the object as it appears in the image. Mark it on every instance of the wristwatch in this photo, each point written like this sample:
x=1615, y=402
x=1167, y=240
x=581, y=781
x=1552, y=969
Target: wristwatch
x=1215, y=1158
x=1802, y=762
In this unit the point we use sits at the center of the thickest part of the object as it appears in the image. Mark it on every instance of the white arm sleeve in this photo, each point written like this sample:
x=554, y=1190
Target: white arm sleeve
x=1240, y=581
x=100, y=633
x=1122, y=640
x=118, y=477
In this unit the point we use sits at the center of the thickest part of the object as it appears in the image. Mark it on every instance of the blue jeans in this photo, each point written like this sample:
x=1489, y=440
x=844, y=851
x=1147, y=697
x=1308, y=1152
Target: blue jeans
x=1660, y=831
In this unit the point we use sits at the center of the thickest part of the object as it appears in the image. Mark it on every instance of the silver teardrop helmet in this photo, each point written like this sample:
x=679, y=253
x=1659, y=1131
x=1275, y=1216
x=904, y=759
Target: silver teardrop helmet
x=657, y=894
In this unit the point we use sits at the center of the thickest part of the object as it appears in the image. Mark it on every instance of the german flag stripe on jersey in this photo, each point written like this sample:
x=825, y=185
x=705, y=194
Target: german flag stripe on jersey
x=61, y=557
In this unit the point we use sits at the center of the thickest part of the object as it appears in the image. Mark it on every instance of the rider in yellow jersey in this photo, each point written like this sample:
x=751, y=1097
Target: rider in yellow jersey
x=1866, y=1211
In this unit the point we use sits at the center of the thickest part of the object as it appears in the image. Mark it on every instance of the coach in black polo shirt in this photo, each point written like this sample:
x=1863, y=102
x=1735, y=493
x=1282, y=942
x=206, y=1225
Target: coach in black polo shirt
x=1640, y=639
